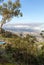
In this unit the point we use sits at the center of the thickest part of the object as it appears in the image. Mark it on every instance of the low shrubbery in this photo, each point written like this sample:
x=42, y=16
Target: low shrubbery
x=2, y=31
x=20, y=56
x=8, y=34
x=21, y=51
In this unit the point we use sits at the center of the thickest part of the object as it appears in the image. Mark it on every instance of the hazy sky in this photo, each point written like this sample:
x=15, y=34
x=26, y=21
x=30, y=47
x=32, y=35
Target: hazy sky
x=33, y=12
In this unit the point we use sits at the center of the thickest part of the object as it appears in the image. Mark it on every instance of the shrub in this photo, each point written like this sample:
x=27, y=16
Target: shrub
x=7, y=34
x=2, y=31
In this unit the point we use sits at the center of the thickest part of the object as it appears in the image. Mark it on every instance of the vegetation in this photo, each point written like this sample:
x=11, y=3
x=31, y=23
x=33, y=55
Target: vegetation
x=9, y=10
x=21, y=50
x=18, y=50
x=42, y=34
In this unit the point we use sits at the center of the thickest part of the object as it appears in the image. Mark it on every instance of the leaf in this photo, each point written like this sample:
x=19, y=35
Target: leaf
x=10, y=9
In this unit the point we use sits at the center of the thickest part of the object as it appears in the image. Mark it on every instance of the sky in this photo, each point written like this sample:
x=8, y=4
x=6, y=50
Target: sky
x=33, y=12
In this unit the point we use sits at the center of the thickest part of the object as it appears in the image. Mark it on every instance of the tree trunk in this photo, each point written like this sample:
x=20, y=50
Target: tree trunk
x=1, y=27
x=2, y=22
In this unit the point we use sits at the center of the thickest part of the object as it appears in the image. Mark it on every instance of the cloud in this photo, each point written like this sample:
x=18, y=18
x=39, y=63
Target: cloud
x=25, y=26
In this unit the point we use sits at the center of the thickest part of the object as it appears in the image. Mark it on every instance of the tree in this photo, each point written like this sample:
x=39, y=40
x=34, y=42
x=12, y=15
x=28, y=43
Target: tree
x=42, y=34
x=1, y=0
x=9, y=10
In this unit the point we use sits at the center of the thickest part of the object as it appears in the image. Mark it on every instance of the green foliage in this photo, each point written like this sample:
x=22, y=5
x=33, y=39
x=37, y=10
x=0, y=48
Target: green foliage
x=9, y=10
x=42, y=34
x=22, y=51
x=7, y=34
x=2, y=31
x=1, y=1
x=19, y=56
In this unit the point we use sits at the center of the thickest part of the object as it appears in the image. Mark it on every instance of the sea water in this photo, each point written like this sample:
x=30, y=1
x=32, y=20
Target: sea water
x=25, y=28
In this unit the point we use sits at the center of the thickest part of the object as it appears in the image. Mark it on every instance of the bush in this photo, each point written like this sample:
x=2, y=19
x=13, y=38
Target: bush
x=7, y=34
x=2, y=31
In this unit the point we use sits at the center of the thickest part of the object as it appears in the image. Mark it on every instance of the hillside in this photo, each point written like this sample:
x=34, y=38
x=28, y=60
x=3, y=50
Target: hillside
x=19, y=49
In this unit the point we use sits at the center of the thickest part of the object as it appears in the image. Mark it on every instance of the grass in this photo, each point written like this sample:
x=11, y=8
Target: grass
x=8, y=64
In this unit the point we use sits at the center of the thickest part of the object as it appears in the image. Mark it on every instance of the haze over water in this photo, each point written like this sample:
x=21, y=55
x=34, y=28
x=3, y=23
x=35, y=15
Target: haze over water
x=24, y=27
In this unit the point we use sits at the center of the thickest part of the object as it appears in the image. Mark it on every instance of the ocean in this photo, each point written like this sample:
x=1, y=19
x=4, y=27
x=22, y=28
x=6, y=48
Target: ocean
x=24, y=27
